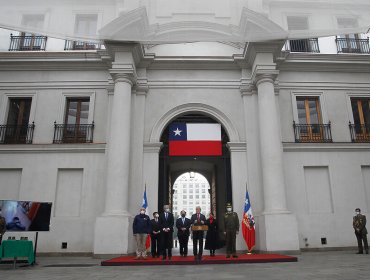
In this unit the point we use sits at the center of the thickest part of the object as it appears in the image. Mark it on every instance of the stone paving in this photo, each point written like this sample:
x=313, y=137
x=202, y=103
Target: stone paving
x=311, y=265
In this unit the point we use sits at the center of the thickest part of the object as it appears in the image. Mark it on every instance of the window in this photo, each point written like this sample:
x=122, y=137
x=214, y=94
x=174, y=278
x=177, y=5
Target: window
x=197, y=191
x=29, y=41
x=17, y=128
x=185, y=196
x=203, y=190
x=361, y=117
x=296, y=23
x=75, y=128
x=350, y=43
x=309, y=118
x=197, y=196
x=190, y=196
x=203, y=196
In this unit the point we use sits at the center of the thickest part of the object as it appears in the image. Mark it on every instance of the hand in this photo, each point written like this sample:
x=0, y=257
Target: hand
x=225, y=232
x=202, y=222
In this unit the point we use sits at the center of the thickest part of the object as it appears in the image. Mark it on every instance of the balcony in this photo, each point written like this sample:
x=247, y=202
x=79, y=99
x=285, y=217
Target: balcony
x=16, y=134
x=312, y=133
x=360, y=133
x=352, y=45
x=304, y=45
x=27, y=43
x=73, y=133
x=78, y=45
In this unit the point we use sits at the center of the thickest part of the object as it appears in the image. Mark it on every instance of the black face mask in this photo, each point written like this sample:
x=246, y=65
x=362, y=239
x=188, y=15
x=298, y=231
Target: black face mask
x=183, y=215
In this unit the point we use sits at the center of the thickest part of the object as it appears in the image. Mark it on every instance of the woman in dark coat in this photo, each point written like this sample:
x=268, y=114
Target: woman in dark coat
x=212, y=241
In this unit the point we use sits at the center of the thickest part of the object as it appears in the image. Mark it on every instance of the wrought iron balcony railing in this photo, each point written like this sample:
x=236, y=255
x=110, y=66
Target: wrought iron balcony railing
x=360, y=133
x=73, y=133
x=352, y=45
x=16, y=134
x=303, y=45
x=27, y=43
x=312, y=133
x=78, y=45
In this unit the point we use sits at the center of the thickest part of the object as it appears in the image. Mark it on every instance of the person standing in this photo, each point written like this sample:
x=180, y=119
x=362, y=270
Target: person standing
x=359, y=225
x=155, y=235
x=183, y=232
x=212, y=240
x=231, y=229
x=141, y=228
x=166, y=221
x=2, y=226
x=198, y=219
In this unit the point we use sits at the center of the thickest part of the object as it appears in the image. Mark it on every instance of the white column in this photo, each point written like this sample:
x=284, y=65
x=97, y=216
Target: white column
x=271, y=147
x=277, y=227
x=137, y=140
x=239, y=177
x=150, y=173
x=113, y=233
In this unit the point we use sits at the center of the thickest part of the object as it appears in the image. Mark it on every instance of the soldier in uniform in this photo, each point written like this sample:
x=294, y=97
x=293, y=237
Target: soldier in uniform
x=2, y=226
x=359, y=224
x=231, y=229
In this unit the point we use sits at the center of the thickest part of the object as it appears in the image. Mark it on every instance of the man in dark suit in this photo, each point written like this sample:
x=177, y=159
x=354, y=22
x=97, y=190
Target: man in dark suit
x=198, y=219
x=183, y=232
x=166, y=222
x=155, y=236
x=359, y=225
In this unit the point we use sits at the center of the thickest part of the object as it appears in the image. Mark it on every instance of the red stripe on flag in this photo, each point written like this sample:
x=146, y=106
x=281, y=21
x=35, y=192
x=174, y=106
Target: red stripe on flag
x=195, y=148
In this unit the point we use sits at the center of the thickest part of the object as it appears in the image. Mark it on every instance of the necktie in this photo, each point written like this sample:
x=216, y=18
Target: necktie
x=166, y=216
x=198, y=218
x=183, y=221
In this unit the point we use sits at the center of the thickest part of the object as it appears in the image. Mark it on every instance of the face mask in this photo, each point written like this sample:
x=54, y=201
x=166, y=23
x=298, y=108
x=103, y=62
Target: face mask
x=229, y=209
x=183, y=215
x=357, y=212
x=167, y=210
x=156, y=215
x=142, y=212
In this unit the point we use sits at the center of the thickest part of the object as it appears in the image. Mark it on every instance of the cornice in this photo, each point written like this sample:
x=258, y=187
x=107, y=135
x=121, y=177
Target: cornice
x=324, y=62
x=152, y=147
x=52, y=148
x=326, y=147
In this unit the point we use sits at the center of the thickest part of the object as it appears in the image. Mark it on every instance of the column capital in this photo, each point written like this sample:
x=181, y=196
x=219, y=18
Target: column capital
x=152, y=147
x=264, y=73
x=123, y=72
x=247, y=88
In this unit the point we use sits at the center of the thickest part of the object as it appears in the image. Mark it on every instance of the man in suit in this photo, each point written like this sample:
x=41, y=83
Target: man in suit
x=155, y=235
x=183, y=232
x=359, y=225
x=166, y=222
x=198, y=219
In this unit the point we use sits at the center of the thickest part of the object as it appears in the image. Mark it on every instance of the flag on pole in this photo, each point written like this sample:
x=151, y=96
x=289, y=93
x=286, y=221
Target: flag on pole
x=195, y=139
x=145, y=205
x=248, y=224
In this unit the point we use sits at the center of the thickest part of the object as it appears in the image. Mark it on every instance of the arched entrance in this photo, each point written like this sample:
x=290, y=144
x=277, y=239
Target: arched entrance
x=216, y=169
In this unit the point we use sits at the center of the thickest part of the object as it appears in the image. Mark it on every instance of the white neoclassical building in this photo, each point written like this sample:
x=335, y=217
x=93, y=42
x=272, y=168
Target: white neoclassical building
x=85, y=127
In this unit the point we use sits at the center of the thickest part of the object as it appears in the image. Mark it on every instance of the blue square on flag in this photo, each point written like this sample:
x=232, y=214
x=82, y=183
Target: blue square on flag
x=177, y=131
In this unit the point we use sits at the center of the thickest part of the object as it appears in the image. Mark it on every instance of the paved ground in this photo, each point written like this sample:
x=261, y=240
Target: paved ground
x=319, y=265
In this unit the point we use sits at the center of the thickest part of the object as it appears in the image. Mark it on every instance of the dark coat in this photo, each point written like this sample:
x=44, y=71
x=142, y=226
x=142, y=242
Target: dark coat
x=141, y=224
x=212, y=240
x=166, y=223
x=180, y=225
x=155, y=226
x=194, y=219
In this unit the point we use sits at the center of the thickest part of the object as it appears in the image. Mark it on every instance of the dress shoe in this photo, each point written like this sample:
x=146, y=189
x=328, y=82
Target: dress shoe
x=137, y=258
x=235, y=256
x=163, y=258
x=367, y=252
x=359, y=252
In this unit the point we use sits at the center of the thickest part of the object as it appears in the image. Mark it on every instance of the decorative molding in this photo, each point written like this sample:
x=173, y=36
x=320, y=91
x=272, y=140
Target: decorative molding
x=322, y=147
x=226, y=84
x=235, y=147
x=152, y=147
x=166, y=118
x=52, y=148
x=141, y=87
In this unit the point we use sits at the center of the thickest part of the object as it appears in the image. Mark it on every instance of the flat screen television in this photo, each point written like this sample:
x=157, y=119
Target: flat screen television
x=26, y=215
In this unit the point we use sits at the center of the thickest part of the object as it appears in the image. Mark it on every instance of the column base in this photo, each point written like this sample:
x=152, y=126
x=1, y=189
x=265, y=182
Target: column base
x=278, y=232
x=113, y=235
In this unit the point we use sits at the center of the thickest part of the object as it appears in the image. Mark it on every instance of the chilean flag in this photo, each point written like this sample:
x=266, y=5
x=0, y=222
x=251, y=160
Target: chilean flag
x=195, y=139
x=248, y=224
x=145, y=205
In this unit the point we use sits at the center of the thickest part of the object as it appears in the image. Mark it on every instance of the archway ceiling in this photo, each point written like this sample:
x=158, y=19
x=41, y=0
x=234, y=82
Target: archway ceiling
x=155, y=21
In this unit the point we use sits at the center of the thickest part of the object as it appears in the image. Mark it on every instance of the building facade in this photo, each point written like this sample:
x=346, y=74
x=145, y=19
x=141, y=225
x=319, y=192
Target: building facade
x=84, y=127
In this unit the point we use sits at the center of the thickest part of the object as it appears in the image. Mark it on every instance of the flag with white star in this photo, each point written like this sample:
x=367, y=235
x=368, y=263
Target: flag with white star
x=195, y=139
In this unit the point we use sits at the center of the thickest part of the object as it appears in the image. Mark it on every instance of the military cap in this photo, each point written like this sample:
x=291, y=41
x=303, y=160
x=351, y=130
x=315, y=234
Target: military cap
x=228, y=204
x=358, y=209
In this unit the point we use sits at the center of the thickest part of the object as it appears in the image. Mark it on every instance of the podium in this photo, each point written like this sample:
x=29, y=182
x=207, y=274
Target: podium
x=199, y=228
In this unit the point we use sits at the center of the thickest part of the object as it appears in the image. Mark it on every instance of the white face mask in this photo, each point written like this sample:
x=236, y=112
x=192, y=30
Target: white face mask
x=229, y=209
x=142, y=212
x=357, y=212
x=156, y=215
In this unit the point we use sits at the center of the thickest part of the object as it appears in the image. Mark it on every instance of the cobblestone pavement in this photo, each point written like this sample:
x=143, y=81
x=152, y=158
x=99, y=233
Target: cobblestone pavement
x=311, y=265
